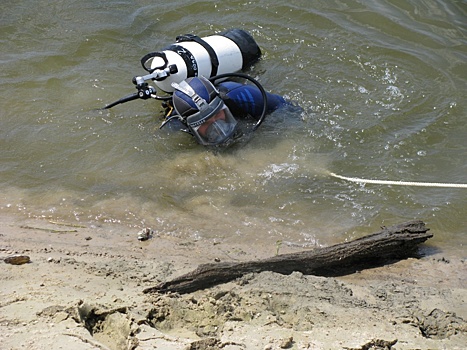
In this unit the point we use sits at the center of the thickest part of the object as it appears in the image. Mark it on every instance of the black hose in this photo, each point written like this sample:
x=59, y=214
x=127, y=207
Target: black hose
x=131, y=97
x=137, y=95
x=254, y=81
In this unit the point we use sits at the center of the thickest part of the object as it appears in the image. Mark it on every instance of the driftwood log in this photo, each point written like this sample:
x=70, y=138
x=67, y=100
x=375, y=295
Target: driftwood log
x=395, y=242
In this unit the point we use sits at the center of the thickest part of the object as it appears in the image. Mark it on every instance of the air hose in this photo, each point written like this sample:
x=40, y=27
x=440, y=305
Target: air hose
x=258, y=85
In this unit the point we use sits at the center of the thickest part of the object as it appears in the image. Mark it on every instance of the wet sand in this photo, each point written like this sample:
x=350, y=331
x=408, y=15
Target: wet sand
x=83, y=288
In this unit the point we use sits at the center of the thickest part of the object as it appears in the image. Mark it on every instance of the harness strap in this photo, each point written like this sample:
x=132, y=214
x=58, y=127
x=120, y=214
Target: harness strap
x=207, y=47
x=184, y=87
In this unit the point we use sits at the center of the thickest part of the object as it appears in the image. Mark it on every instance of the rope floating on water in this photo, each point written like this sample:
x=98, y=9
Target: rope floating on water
x=399, y=183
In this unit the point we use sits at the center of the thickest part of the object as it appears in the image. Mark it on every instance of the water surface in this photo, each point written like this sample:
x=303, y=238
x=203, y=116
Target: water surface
x=382, y=85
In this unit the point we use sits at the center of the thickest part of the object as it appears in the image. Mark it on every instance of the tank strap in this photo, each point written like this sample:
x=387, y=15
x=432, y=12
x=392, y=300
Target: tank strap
x=207, y=47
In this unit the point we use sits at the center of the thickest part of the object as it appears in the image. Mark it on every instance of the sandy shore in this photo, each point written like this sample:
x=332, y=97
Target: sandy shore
x=83, y=290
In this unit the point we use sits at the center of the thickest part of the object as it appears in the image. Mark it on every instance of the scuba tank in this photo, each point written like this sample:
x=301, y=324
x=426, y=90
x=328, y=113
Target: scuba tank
x=192, y=56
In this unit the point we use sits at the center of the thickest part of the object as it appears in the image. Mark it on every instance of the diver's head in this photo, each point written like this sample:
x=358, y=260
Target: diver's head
x=198, y=103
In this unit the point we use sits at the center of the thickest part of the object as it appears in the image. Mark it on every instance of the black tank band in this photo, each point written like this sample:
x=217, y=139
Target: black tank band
x=207, y=47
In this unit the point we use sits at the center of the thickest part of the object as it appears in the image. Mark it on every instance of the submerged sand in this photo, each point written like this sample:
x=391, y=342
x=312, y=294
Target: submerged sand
x=83, y=288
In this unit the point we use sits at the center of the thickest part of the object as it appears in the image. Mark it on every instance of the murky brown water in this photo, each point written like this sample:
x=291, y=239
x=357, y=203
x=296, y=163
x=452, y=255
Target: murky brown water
x=382, y=84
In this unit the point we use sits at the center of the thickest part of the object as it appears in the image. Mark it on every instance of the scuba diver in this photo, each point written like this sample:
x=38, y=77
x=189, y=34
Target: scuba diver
x=212, y=112
x=216, y=114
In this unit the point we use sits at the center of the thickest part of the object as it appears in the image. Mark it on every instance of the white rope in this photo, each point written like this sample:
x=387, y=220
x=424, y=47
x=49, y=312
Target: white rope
x=399, y=183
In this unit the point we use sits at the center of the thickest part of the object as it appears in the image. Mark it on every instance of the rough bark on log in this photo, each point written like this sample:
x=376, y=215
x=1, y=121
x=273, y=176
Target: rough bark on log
x=395, y=242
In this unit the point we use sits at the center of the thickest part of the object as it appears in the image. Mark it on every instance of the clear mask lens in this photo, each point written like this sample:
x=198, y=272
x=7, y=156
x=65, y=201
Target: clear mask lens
x=218, y=131
x=217, y=127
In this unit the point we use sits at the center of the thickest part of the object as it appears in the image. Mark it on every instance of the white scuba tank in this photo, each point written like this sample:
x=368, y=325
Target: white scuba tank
x=190, y=56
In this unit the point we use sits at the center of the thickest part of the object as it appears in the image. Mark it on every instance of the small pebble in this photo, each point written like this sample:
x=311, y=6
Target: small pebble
x=145, y=234
x=287, y=343
x=17, y=259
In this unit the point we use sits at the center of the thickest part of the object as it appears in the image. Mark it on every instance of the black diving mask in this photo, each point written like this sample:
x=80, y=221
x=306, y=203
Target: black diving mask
x=213, y=124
